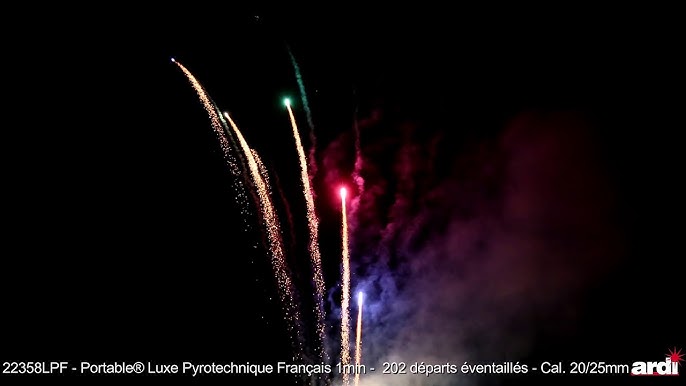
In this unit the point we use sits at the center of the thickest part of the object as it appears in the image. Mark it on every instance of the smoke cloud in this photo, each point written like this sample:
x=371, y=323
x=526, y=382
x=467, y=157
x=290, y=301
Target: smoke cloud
x=464, y=252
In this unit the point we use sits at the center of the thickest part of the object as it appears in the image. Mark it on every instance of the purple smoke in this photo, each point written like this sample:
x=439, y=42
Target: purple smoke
x=461, y=254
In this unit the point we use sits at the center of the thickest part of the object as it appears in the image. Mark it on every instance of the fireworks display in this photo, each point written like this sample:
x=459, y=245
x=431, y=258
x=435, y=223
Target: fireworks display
x=259, y=178
x=458, y=235
x=260, y=181
x=505, y=196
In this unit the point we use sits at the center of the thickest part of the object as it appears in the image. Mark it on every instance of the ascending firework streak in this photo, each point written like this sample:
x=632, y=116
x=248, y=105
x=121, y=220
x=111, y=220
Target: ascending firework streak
x=214, y=117
x=313, y=224
x=308, y=113
x=224, y=137
x=345, y=302
x=271, y=223
x=358, y=341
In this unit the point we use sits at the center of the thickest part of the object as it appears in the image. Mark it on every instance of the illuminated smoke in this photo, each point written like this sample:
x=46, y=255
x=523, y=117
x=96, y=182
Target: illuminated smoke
x=357, y=170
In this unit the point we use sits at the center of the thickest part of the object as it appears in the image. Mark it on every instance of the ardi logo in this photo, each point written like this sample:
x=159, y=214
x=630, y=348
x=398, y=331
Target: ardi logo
x=670, y=366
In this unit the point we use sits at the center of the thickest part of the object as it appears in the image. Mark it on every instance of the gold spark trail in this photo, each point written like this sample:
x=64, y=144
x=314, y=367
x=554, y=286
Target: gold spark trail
x=345, y=302
x=313, y=225
x=214, y=117
x=358, y=340
x=226, y=143
x=273, y=229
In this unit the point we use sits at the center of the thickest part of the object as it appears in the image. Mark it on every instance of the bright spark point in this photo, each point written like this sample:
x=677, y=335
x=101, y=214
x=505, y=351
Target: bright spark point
x=344, y=193
x=287, y=101
x=173, y=60
x=360, y=296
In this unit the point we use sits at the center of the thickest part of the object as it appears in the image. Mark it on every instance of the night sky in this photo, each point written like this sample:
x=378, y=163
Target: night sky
x=522, y=197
